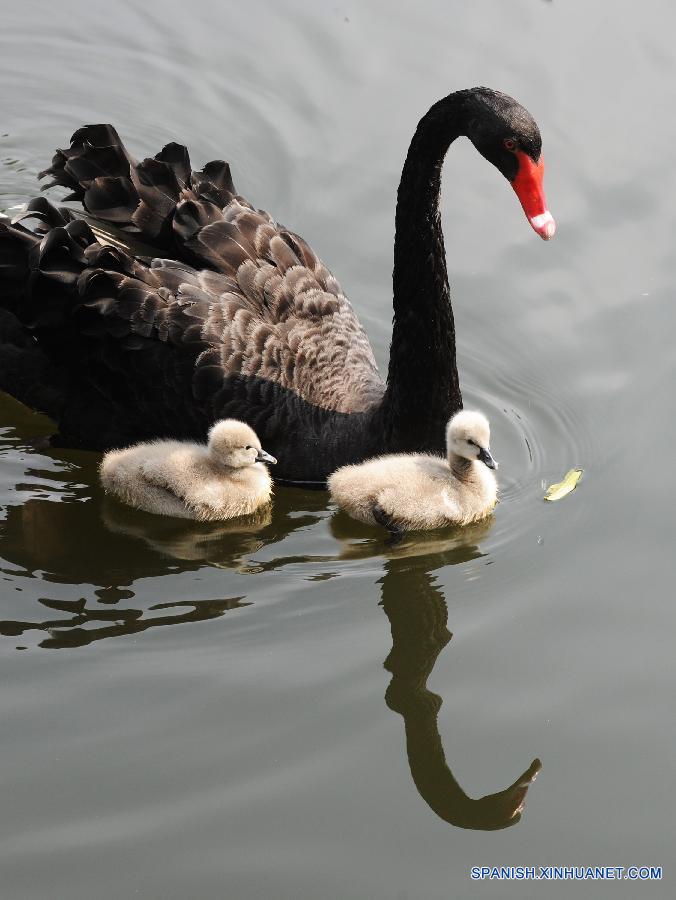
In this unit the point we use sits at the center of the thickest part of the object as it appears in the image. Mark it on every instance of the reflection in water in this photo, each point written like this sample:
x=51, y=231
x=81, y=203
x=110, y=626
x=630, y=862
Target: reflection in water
x=447, y=546
x=418, y=615
x=89, y=539
x=81, y=625
x=201, y=542
x=65, y=543
x=93, y=539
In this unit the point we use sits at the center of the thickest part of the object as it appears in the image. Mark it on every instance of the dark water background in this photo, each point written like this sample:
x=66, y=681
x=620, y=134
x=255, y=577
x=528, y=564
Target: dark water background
x=188, y=712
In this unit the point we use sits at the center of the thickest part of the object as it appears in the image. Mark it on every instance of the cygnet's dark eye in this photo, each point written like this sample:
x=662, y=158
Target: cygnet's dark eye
x=470, y=441
x=248, y=447
x=509, y=144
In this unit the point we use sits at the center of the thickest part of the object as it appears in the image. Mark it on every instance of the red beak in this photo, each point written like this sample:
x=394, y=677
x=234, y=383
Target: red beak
x=528, y=188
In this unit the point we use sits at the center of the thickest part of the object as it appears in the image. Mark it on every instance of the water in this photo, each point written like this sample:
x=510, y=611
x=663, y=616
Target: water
x=191, y=712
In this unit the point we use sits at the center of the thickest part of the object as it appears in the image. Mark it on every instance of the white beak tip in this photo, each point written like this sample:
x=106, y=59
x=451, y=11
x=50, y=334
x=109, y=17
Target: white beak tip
x=544, y=225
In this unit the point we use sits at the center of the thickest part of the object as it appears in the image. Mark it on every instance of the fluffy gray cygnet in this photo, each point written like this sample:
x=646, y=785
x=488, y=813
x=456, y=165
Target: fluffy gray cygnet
x=220, y=480
x=410, y=492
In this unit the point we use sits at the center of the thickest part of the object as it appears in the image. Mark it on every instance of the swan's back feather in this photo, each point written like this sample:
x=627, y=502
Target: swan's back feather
x=247, y=296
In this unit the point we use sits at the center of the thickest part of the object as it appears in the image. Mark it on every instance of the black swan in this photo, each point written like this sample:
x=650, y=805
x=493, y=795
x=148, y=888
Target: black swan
x=172, y=302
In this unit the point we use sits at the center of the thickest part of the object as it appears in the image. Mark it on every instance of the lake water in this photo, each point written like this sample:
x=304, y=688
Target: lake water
x=192, y=712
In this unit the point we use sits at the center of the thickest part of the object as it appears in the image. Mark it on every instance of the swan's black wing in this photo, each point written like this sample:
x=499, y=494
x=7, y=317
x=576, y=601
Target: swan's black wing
x=279, y=314
x=232, y=302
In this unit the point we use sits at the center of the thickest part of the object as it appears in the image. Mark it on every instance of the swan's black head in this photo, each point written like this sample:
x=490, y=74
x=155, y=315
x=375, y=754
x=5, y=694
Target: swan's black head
x=508, y=136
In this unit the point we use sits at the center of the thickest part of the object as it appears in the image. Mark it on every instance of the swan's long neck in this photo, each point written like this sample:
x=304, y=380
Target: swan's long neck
x=422, y=383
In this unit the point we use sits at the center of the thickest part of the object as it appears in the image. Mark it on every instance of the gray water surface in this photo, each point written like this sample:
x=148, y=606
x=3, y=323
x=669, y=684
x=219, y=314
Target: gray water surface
x=196, y=711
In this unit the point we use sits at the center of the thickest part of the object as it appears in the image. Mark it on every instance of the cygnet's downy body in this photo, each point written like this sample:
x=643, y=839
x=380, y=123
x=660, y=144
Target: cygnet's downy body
x=223, y=479
x=411, y=492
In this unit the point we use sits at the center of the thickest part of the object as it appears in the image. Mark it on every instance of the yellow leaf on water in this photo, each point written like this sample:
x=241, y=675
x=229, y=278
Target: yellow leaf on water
x=569, y=483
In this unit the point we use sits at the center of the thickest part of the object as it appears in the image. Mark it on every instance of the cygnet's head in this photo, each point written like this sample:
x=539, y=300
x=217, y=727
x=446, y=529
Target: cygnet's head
x=235, y=444
x=468, y=435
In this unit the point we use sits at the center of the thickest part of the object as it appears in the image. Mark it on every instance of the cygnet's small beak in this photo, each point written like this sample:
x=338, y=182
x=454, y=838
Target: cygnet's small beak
x=262, y=456
x=485, y=457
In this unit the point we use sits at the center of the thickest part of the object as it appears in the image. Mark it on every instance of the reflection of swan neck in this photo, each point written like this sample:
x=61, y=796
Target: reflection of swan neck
x=427, y=760
x=418, y=616
x=419, y=634
x=414, y=653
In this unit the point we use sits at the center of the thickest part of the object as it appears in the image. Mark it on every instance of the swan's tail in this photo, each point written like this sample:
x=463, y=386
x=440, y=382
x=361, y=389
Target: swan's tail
x=140, y=198
x=73, y=313
x=62, y=284
x=41, y=265
x=25, y=369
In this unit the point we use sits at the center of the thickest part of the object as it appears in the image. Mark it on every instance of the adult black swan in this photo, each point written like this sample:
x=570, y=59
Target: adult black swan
x=172, y=302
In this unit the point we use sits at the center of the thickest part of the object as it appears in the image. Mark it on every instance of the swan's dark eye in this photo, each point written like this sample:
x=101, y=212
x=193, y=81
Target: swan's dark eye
x=509, y=144
x=248, y=447
x=470, y=441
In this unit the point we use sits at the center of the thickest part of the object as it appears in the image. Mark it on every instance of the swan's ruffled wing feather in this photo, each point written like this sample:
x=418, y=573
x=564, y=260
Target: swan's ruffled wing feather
x=261, y=322
x=95, y=150
x=271, y=317
x=259, y=299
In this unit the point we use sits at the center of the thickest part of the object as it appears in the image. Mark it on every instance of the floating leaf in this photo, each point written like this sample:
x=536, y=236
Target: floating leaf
x=569, y=483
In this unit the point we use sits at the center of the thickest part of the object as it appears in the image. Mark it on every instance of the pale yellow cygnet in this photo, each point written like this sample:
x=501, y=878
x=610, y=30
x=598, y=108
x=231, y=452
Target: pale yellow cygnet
x=411, y=492
x=221, y=479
